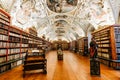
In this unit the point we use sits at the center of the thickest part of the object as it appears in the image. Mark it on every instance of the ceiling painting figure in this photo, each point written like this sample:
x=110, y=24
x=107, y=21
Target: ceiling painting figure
x=61, y=6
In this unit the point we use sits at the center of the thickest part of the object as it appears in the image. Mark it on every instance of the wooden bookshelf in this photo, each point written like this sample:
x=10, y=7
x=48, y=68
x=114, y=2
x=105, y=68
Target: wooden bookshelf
x=108, y=40
x=83, y=46
x=14, y=42
x=73, y=46
x=4, y=25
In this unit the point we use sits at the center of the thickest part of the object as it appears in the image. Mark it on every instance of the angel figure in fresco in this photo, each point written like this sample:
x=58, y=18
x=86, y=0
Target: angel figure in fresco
x=23, y=14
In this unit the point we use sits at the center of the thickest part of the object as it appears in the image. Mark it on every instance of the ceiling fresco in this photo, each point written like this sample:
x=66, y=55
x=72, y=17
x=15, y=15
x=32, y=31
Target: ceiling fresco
x=61, y=6
x=62, y=19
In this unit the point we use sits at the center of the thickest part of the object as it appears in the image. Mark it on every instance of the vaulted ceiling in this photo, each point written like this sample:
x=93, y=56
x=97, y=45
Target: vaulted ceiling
x=62, y=19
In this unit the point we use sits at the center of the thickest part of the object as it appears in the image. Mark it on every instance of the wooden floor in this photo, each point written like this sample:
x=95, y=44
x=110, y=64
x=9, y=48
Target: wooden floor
x=73, y=67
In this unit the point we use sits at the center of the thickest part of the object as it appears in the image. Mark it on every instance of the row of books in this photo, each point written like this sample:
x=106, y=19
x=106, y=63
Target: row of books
x=3, y=17
x=19, y=62
x=99, y=54
x=11, y=45
x=3, y=37
x=34, y=41
x=104, y=38
x=24, y=37
x=15, y=30
x=14, y=39
x=4, y=22
x=24, y=45
x=2, y=31
x=33, y=32
x=24, y=49
x=5, y=68
x=105, y=56
x=2, y=59
x=3, y=44
x=117, y=37
x=104, y=50
x=103, y=45
x=13, y=57
x=118, y=50
x=17, y=45
x=12, y=51
x=106, y=41
x=14, y=44
x=13, y=64
x=98, y=49
x=32, y=45
x=3, y=26
x=14, y=34
x=23, y=55
x=24, y=40
x=118, y=45
x=10, y=66
x=97, y=39
x=117, y=30
x=118, y=40
x=32, y=48
x=104, y=33
x=118, y=57
x=3, y=51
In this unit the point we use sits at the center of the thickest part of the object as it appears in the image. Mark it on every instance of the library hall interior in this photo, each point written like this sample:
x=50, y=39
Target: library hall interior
x=59, y=39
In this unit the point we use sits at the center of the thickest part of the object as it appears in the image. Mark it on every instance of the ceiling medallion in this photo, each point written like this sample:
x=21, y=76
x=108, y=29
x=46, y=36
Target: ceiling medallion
x=61, y=16
x=61, y=6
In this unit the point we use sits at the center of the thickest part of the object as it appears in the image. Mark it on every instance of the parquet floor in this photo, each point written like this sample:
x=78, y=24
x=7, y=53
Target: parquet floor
x=73, y=67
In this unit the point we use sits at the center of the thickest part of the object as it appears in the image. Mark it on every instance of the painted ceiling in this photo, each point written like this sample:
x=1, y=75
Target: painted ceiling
x=62, y=19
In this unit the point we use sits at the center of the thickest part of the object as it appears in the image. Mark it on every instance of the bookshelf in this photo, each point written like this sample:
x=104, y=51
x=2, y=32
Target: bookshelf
x=4, y=25
x=108, y=42
x=34, y=42
x=15, y=50
x=14, y=42
x=83, y=46
x=117, y=41
x=73, y=46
